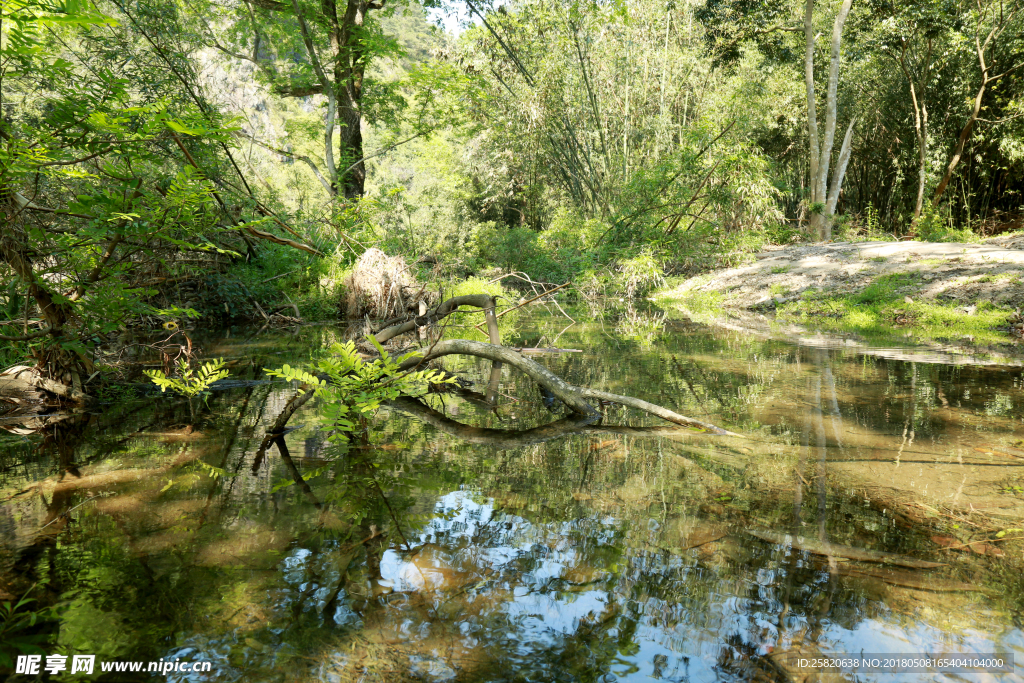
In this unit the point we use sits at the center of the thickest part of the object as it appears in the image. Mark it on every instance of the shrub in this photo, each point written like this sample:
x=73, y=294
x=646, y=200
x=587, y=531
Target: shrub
x=936, y=225
x=639, y=275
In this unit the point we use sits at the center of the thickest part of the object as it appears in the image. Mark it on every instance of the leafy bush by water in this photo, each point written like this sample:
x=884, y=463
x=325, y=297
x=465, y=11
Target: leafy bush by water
x=639, y=275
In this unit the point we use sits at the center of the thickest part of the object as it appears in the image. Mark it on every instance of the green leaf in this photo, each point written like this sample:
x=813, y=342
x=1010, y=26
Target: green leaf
x=179, y=128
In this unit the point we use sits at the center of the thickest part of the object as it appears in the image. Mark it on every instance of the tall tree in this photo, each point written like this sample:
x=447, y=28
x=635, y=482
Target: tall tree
x=824, y=196
x=995, y=22
x=304, y=48
x=911, y=35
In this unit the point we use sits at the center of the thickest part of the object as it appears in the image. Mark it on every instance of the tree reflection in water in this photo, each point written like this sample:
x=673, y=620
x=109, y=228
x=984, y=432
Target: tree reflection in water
x=504, y=546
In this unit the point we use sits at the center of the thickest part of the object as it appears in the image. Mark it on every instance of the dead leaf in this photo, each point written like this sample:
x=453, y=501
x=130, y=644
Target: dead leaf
x=986, y=549
x=946, y=541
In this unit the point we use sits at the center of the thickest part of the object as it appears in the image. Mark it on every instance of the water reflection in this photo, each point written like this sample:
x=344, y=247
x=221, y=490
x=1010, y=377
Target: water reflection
x=488, y=537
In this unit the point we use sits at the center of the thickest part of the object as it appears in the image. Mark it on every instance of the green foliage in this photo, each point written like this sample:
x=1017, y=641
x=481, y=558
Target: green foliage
x=107, y=132
x=354, y=389
x=866, y=226
x=19, y=629
x=641, y=326
x=520, y=248
x=603, y=142
x=639, y=275
x=317, y=306
x=701, y=305
x=116, y=393
x=476, y=285
x=782, y=233
x=190, y=383
x=936, y=225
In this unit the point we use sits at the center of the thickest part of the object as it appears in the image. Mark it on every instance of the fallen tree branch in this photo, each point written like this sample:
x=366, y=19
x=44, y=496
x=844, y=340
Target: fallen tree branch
x=442, y=310
x=571, y=395
x=270, y=237
x=241, y=226
x=563, y=391
x=518, y=274
x=653, y=409
x=503, y=439
x=507, y=439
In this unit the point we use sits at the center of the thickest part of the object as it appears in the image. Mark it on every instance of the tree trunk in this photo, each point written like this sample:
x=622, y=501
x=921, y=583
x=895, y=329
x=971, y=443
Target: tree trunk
x=922, y=162
x=349, y=66
x=342, y=84
x=831, y=106
x=1002, y=18
x=350, y=144
x=821, y=151
x=57, y=369
x=920, y=121
x=965, y=134
x=812, y=106
x=14, y=250
x=837, y=178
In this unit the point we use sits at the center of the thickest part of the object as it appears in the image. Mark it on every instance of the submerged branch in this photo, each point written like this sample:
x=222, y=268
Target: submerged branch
x=656, y=410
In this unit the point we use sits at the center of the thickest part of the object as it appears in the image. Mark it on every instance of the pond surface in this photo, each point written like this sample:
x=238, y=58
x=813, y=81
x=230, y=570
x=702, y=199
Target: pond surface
x=455, y=542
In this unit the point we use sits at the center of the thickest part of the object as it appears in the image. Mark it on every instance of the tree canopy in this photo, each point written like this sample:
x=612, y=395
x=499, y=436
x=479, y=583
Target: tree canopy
x=144, y=144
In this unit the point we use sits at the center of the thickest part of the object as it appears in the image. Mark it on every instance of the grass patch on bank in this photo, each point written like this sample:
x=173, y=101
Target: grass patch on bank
x=881, y=310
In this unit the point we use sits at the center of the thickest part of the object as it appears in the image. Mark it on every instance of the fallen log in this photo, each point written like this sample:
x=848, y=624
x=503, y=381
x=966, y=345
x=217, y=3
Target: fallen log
x=26, y=383
x=563, y=391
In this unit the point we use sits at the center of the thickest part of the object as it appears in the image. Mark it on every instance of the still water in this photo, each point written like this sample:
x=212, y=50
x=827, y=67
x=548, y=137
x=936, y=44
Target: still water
x=454, y=541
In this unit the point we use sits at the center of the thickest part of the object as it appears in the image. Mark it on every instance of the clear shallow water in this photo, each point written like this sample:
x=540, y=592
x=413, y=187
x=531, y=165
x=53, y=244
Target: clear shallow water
x=429, y=551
